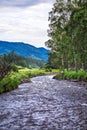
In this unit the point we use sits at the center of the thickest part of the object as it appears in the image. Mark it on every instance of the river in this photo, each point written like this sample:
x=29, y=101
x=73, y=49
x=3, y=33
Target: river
x=44, y=104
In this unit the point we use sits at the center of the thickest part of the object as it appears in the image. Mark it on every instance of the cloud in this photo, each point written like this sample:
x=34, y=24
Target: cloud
x=28, y=24
x=22, y=3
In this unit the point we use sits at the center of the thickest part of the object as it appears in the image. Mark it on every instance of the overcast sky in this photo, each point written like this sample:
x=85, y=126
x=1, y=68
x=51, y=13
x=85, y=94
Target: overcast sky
x=25, y=20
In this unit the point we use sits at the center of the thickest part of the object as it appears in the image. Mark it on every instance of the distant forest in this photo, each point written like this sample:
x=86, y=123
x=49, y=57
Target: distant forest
x=13, y=58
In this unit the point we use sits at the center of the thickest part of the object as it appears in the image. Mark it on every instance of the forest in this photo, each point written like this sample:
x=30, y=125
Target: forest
x=68, y=35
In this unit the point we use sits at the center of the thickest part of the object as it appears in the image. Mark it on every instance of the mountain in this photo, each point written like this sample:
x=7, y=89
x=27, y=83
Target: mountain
x=24, y=49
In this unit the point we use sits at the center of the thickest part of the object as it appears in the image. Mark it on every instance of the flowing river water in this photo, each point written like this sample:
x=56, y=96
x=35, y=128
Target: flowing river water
x=44, y=104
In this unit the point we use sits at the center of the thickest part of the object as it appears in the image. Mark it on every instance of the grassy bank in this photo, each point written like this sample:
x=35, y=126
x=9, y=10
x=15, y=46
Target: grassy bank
x=12, y=81
x=72, y=75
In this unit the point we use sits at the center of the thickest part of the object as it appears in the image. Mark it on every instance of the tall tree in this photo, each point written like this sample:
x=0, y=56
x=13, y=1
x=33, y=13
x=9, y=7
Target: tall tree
x=68, y=32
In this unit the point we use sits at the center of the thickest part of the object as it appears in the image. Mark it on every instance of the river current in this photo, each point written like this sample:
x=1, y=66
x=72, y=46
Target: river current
x=44, y=104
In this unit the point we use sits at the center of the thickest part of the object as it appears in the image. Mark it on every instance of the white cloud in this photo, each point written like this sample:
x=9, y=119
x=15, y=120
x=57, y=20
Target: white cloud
x=22, y=3
x=25, y=24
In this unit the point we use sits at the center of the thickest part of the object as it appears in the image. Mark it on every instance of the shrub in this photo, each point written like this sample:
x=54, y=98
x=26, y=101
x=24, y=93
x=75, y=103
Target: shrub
x=80, y=75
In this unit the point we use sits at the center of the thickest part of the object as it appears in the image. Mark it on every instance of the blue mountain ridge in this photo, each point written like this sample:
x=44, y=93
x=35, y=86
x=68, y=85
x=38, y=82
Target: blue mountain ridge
x=24, y=49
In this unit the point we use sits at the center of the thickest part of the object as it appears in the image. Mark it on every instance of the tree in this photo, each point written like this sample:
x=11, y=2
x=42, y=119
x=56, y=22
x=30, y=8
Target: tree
x=5, y=67
x=77, y=30
x=58, y=18
x=68, y=33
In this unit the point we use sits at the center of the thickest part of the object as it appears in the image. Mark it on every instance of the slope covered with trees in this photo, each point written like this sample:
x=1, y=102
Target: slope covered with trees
x=9, y=62
x=68, y=35
x=24, y=49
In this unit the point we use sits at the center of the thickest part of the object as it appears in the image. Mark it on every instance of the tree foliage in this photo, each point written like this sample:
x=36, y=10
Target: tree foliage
x=5, y=66
x=68, y=33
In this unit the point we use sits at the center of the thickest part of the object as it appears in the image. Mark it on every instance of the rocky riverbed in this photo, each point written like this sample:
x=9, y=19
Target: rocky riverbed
x=44, y=104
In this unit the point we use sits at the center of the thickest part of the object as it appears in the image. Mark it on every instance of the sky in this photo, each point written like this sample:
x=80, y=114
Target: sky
x=25, y=21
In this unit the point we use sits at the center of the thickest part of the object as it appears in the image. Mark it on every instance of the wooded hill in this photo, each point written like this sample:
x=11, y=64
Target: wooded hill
x=24, y=50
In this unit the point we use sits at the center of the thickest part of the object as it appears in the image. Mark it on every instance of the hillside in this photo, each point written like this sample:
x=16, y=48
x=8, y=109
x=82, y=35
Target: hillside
x=24, y=49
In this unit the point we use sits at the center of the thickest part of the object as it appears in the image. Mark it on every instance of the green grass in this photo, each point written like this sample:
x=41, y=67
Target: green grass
x=72, y=75
x=23, y=75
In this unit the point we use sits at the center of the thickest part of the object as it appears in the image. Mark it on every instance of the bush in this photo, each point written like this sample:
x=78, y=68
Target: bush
x=8, y=84
x=72, y=75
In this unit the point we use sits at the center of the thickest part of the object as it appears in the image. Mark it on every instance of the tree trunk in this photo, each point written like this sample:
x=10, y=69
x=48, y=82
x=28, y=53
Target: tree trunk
x=76, y=62
x=62, y=61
